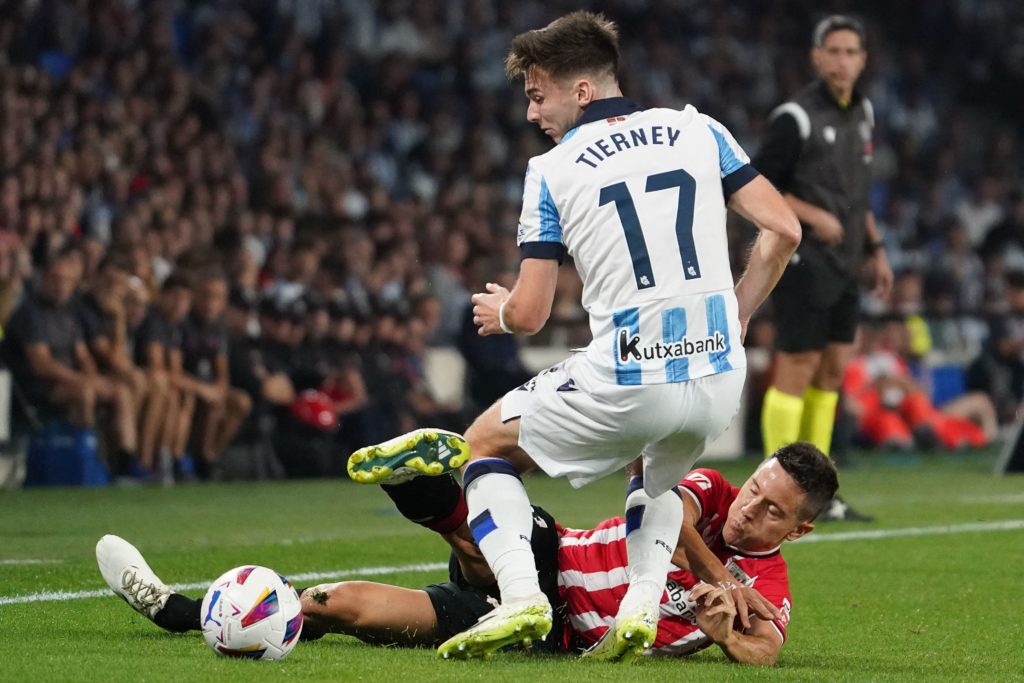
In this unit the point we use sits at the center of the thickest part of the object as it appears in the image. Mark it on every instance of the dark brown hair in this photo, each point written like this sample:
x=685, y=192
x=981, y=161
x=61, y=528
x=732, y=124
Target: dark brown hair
x=578, y=43
x=813, y=471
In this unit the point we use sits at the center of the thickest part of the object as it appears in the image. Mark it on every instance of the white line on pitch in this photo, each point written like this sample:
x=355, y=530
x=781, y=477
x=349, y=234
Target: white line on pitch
x=870, y=534
x=28, y=561
x=303, y=577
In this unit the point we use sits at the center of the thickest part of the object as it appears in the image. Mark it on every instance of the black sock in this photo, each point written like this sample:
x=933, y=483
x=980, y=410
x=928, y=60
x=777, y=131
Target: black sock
x=180, y=614
x=435, y=502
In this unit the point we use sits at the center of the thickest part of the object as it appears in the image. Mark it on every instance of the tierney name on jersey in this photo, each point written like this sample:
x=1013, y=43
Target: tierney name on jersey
x=638, y=137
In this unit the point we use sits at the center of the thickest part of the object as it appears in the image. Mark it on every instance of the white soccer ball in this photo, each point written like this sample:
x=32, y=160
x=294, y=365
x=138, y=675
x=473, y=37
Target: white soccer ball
x=252, y=612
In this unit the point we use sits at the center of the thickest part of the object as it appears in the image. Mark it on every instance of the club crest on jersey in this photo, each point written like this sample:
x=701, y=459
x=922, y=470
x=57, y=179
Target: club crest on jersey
x=631, y=349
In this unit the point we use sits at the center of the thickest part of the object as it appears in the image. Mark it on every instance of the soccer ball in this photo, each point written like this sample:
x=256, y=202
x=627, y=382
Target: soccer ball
x=252, y=612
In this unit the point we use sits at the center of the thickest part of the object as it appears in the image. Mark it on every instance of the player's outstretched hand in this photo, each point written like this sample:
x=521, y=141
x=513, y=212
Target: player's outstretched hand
x=485, y=309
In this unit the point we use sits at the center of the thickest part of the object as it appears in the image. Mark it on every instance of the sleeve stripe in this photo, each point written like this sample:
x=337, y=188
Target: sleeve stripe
x=550, y=221
x=803, y=121
x=696, y=500
x=726, y=156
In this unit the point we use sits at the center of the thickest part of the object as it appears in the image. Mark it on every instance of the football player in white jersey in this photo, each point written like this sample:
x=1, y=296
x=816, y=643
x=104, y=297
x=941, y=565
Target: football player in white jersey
x=638, y=199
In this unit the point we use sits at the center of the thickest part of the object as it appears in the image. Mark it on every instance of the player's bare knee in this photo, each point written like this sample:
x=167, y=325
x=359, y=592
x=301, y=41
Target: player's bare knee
x=342, y=603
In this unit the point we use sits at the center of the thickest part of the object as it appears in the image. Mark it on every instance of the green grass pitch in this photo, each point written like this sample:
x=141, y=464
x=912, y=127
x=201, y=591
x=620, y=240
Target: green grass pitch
x=944, y=605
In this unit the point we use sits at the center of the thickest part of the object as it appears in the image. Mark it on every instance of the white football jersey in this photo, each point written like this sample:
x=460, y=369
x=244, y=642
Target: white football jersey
x=638, y=199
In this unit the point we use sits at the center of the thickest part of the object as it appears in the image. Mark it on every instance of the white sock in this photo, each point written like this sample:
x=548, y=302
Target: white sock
x=501, y=519
x=652, y=531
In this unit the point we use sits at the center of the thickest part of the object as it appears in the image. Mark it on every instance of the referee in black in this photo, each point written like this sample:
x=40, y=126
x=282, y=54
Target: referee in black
x=818, y=154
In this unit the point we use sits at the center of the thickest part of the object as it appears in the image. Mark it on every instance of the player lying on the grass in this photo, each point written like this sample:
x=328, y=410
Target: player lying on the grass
x=582, y=571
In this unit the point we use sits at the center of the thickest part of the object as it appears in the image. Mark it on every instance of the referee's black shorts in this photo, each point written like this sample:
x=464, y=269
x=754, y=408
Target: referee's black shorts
x=814, y=306
x=458, y=605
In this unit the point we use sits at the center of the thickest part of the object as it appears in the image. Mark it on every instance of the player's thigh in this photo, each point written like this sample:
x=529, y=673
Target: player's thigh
x=492, y=437
x=574, y=424
x=373, y=612
x=707, y=407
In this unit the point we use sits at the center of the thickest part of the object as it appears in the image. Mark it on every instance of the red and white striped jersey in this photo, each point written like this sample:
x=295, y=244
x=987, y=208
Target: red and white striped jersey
x=592, y=573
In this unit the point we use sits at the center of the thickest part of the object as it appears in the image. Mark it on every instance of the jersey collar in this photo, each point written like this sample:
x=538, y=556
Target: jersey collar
x=757, y=554
x=607, y=108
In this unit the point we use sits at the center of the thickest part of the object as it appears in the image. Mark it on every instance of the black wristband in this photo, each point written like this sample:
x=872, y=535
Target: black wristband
x=871, y=247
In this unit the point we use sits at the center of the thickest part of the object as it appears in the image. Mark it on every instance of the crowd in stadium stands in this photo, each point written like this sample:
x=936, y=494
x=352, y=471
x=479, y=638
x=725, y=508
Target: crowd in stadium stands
x=208, y=209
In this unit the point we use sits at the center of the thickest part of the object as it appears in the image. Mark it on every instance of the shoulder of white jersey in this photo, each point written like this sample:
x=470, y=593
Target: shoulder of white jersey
x=799, y=114
x=731, y=155
x=869, y=111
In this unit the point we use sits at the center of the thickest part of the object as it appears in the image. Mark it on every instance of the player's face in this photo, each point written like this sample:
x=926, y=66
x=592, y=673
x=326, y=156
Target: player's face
x=766, y=512
x=554, y=104
x=840, y=60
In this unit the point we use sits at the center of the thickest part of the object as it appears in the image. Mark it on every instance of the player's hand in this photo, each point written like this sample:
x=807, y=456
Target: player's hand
x=715, y=611
x=748, y=601
x=828, y=229
x=879, y=274
x=485, y=309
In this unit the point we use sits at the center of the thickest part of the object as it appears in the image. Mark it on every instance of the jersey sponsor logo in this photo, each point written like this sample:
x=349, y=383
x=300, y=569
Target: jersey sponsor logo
x=630, y=347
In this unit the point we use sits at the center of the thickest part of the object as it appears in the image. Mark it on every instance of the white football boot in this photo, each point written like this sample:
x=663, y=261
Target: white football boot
x=126, y=572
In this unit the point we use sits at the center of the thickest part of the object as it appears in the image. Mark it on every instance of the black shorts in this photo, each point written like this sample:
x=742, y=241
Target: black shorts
x=458, y=605
x=814, y=306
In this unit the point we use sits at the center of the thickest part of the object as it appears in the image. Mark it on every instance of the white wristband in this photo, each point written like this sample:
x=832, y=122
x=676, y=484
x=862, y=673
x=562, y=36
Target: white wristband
x=501, y=318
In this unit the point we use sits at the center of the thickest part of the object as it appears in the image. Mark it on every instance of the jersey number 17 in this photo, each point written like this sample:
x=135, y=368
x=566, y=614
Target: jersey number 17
x=624, y=206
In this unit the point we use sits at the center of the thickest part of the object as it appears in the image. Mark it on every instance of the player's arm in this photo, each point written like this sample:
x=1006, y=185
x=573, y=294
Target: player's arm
x=526, y=308
x=778, y=238
x=877, y=263
x=716, y=612
x=693, y=555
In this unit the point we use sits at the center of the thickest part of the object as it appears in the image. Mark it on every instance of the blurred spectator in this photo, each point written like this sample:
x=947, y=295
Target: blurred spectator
x=999, y=370
x=892, y=410
x=46, y=351
x=221, y=409
x=158, y=351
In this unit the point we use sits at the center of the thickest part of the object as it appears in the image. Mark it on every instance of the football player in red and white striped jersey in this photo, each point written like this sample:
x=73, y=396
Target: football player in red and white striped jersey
x=731, y=587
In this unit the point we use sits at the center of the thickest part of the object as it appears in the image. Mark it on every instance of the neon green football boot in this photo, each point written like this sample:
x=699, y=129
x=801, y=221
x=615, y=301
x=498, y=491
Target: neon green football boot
x=627, y=639
x=429, y=452
x=523, y=622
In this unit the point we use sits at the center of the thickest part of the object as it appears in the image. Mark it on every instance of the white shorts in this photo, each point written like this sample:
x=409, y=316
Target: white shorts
x=575, y=425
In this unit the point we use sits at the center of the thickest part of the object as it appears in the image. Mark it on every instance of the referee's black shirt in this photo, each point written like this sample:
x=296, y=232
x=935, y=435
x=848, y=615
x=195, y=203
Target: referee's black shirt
x=821, y=152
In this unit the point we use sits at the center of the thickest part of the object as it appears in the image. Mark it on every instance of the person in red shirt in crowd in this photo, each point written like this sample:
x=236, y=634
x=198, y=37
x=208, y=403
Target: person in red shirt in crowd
x=730, y=588
x=893, y=410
